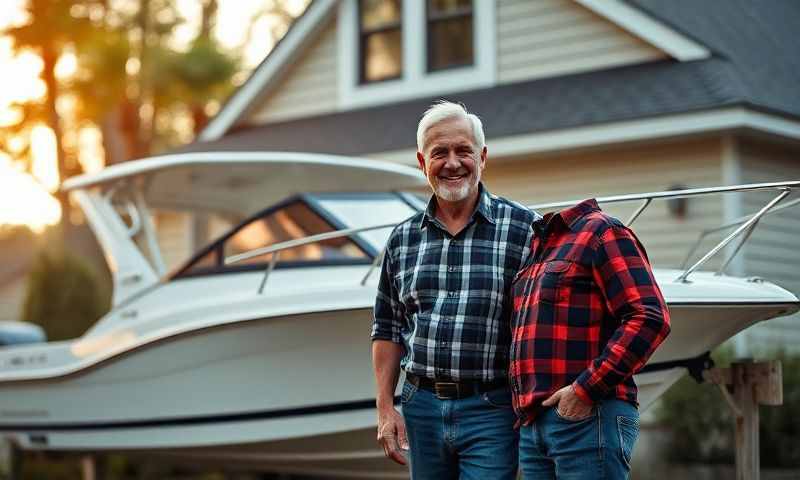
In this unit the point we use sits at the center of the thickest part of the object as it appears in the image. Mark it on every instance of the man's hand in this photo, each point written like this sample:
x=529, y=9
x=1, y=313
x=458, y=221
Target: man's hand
x=392, y=434
x=568, y=404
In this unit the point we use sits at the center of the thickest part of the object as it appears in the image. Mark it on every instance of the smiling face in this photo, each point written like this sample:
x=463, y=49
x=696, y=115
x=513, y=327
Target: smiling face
x=451, y=160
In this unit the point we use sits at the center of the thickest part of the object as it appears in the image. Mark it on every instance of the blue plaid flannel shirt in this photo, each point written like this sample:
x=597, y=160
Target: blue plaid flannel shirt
x=448, y=299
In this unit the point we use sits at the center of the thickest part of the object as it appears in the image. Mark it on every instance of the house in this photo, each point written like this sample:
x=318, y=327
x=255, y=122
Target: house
x=579, y=98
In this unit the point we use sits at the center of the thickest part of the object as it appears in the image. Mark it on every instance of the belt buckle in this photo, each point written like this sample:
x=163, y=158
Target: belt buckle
x=446, y=390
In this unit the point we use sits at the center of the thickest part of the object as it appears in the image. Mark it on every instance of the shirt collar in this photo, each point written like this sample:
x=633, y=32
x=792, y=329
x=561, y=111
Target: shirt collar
x=484, y=207
x=569, y=216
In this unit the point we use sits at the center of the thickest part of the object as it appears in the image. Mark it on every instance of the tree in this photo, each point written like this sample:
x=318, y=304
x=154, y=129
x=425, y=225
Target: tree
x=49, y=31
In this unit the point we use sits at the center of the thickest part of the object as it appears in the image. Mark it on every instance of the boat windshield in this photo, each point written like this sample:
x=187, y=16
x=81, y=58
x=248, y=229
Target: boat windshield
x=370, y=209
x=288, y=221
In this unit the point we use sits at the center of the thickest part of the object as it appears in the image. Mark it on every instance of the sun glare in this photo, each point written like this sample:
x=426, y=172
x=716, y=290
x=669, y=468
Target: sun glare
x=43, y=148
x=23, y=200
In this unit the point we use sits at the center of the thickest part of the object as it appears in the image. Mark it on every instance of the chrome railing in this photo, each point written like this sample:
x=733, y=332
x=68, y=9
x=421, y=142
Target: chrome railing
x=745, y=225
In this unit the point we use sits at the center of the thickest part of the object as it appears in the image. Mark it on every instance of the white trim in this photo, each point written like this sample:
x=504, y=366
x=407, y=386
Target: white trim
x=244, y=96
x=415, y=81
x=626, y=131
x=648, y=29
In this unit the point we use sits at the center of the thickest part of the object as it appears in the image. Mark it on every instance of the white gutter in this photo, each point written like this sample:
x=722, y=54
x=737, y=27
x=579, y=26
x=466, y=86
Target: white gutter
x=665, y=126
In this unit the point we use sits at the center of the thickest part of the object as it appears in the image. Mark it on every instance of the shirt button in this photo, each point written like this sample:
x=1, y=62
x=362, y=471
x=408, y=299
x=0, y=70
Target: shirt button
x=451, y=269
x=443, y=344
x=451, y=294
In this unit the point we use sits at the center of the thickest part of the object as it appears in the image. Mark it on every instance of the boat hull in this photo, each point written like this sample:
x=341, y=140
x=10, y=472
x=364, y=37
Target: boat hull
x=293, y=394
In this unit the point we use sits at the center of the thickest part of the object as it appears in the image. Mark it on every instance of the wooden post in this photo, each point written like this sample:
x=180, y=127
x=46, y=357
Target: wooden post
x=14, y=461
x=88, y=468
x=747, y=448
x=745, y=386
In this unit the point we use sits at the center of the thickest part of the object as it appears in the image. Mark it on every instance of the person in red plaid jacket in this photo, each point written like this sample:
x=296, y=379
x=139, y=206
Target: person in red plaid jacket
x=587, y=315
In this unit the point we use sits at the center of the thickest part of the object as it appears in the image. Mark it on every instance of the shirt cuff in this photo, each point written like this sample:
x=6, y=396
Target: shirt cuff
x=590, y=393
x=387, y=336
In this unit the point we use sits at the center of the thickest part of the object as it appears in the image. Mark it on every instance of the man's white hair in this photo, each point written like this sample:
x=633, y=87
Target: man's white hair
x=443, y=110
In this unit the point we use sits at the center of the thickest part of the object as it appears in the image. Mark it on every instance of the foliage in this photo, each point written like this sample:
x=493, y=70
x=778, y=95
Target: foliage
x=64, y=295
x=702, y=425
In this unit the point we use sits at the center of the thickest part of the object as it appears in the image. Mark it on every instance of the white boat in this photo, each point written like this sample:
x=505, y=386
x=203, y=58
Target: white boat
x=258, y=358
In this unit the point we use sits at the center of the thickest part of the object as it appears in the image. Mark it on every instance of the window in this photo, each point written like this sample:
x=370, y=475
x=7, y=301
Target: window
x=422, y=48
x=293, y=221
x=381, y=42
x=289, y=223
x=450, y=39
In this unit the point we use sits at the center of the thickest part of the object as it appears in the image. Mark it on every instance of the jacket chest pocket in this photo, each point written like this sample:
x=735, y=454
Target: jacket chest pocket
x=562, y=281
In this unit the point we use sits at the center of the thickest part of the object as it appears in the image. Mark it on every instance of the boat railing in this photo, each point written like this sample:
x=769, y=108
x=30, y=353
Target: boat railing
x=744, y=226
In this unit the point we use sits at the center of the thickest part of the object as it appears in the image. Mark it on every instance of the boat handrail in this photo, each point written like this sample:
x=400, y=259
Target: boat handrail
x=745, y=224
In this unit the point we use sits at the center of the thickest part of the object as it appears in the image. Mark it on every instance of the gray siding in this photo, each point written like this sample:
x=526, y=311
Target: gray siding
x=773, y=251
x=693, y=163
x=554, y=37
x=308, y=88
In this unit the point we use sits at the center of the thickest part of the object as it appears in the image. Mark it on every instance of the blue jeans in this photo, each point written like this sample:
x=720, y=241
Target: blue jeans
x=471, y=438
x=596, y=448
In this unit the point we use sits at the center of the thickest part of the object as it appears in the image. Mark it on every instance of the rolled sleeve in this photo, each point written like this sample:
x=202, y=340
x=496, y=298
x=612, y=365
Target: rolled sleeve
x=388, y=315
x=625, y=278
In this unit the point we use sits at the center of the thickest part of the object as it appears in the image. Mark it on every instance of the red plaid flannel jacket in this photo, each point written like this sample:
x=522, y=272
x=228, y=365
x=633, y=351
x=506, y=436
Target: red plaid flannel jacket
x=587, y=310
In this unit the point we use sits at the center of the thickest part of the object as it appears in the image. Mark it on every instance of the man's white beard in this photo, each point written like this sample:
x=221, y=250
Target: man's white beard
x=458, y=193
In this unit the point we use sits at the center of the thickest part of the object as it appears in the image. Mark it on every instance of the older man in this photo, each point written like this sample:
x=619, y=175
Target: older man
x=442, y=313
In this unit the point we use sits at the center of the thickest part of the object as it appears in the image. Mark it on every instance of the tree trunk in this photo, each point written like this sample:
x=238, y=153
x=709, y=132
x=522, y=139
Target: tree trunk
x=114, y=143
x=49, y=58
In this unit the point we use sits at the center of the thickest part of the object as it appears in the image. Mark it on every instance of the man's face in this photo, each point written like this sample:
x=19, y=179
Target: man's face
x=451, y=160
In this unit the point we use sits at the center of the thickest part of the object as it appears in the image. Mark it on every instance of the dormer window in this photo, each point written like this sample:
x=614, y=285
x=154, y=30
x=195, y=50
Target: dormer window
x=381, y=40
x=450, y=39
x=391, y=50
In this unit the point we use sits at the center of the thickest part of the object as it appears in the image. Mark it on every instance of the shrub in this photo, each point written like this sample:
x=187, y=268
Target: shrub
x=64, y=295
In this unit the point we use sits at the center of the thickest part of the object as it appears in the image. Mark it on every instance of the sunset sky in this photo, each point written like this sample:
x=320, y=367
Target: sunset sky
x=27, y=200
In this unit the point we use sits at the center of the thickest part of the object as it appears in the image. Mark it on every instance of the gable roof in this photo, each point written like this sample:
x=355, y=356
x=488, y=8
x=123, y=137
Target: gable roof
x=309, y=23
x=752, y=66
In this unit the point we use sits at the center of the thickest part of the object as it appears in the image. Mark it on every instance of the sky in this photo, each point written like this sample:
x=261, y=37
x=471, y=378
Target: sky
x=26, y=199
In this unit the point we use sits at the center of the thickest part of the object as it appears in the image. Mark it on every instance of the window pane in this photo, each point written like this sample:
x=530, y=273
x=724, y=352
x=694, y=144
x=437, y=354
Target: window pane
x=446, y=6
x=293, y=222
x=378, y=13
x=365, y=213
x=450, y=42
x=383, y=56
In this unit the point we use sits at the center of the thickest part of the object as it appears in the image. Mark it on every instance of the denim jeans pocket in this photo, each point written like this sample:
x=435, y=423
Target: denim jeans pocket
x=409, y=390
x=628, y=428
x=499, y=398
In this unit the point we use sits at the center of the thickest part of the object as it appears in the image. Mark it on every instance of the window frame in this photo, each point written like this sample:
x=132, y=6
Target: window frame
x=431, y=19
x=364, y=33
x=216, y=247
x=415, y=81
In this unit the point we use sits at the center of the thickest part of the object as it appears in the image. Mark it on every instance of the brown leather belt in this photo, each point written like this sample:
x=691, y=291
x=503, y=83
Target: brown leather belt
x=449, y=390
